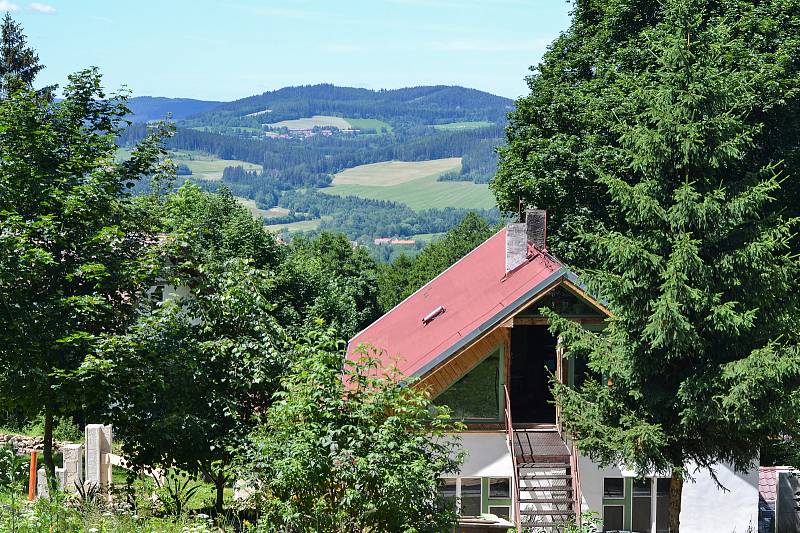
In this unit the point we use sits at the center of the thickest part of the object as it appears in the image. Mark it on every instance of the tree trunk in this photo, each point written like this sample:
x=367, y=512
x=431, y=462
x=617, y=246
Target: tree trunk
x=219, y=483
x=49, y=464
x=675, y=492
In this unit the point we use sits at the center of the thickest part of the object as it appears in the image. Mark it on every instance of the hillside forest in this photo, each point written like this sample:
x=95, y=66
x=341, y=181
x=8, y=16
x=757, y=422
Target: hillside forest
x=297, y=167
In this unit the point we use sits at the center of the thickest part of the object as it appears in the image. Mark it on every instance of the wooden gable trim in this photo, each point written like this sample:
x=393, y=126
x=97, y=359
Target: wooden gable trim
x=443, y=376
x=580, y=293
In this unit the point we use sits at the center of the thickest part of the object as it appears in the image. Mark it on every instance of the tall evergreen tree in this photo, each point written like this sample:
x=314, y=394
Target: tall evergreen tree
x=19, y=64
x=672, y=201
x=565, y=134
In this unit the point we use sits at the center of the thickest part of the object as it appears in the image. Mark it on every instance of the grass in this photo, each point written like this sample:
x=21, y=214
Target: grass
x=209, y=167
x=369, y=123
x=337, y=122
x=413, y=184
x=474, y=125
x=426, y=237
x=310, y=122
x=203, y=166
x=263, y=213
x=202, y=499
x=391, y=173
x=303, y=225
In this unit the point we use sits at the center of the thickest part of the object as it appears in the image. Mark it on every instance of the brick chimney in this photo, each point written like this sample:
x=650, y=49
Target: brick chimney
x=533, y=230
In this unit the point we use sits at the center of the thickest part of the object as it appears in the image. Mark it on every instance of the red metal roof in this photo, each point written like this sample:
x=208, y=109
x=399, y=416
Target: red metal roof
x=768, y=483
x=476, y=293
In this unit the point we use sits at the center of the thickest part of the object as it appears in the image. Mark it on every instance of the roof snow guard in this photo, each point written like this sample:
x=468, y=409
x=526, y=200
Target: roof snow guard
x=471, y=297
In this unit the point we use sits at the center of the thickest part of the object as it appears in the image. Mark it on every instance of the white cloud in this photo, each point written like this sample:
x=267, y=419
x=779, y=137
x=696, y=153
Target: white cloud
x=43, y=8
x=5, y=5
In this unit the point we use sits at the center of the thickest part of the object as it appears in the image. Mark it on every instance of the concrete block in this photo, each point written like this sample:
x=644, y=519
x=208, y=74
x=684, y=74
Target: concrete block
x=73, y=466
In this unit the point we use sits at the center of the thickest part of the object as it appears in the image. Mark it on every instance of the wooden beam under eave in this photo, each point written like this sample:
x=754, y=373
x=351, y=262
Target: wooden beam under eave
x=582, y=294
x=541, y=321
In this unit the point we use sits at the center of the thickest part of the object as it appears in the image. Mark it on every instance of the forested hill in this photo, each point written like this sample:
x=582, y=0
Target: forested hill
x=146, y=108
x=413, y=106
x=410, y=162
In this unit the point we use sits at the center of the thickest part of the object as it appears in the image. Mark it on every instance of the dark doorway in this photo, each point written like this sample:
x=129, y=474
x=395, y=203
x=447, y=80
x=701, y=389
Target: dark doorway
x=533, y=353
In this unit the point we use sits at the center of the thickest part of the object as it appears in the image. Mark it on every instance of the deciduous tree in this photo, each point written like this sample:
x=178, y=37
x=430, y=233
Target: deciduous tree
x=188, y=379
x=73, y=254
x=352, y=451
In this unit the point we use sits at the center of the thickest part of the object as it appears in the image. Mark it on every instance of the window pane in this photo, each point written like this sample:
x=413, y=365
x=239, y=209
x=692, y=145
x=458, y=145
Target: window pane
x=613, y=487
x=642, y=487
x=470, y=496
x=662, y=505
x=641, y=512
x=612, y=518
x=501, y=511
x=447, y=491
x=499, y=487
x=477, y=394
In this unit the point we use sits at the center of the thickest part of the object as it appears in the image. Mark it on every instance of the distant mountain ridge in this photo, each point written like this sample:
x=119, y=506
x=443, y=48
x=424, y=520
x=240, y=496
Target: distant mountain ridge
x=435, y=104
x=147, y=108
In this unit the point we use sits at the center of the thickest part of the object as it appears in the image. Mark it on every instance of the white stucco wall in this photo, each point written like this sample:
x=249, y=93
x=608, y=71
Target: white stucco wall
x=705, y=508
x=487, y=455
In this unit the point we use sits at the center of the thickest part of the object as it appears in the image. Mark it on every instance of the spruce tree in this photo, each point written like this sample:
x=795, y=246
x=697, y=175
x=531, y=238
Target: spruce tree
x=19, y=64
x=694, y=255
x=563, y=136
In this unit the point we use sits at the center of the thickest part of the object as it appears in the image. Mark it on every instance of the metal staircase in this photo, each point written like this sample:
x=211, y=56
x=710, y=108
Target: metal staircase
x=546, y=496
x=544, y=481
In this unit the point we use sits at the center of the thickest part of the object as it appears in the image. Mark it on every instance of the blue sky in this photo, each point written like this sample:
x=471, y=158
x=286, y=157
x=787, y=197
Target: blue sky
x=223, y=50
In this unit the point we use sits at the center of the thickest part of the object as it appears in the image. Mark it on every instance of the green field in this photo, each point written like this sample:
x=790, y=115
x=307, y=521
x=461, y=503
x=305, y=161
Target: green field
x=391, y=173
x=426, y=237
x=308, y=123
x=263, y=213
x=336, y=122
x=464, y=125
x=209, y=167
x=369, y=123
x=303, y=225
x=203, y=166
x=413, y=184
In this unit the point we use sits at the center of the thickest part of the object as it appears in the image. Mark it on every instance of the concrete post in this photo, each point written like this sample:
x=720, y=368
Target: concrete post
x=73, y=466
x=41, y=484
x=98, y=446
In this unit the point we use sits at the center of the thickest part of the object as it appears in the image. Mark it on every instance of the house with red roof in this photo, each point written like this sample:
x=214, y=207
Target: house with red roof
x=475, y=339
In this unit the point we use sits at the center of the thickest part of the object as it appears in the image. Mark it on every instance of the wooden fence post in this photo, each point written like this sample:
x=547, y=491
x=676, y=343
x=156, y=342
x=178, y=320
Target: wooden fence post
x=32, y=477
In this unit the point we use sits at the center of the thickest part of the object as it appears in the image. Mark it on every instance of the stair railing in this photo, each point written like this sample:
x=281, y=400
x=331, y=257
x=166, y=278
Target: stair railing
x=512, y=448
x=576, y=482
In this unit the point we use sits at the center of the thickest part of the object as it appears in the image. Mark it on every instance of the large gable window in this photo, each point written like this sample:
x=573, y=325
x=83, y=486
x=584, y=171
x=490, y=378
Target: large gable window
x=476, y=396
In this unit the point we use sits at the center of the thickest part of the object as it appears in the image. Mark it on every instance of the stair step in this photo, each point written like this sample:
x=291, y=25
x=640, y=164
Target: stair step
x=545, y=476
x=547, y=500
x=536, y=512
x=561, y=488
x=542, y=526
x=542, y=465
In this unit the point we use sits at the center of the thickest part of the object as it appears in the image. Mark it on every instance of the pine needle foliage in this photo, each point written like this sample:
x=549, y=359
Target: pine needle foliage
x=677, y=204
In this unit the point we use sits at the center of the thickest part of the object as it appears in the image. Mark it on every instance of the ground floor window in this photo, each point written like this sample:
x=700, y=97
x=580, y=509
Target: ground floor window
x=612, y=517
x=637, y=505
x=470, y=496
x=474, y=496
